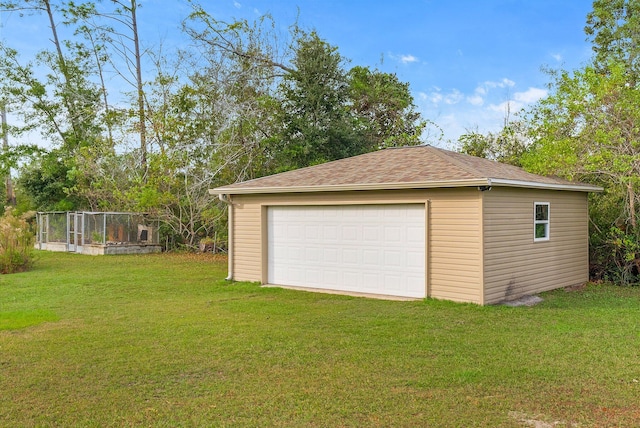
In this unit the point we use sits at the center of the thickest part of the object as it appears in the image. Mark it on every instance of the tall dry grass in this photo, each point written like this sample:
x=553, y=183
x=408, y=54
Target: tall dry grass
x=16, y=243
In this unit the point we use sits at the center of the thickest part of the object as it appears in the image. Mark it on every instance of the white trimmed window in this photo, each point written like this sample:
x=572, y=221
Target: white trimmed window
x=541, y=221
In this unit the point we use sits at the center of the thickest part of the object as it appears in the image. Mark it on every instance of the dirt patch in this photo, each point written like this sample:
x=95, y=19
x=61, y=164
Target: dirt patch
x=577, y=287
x=533, y=421
x=524, y=301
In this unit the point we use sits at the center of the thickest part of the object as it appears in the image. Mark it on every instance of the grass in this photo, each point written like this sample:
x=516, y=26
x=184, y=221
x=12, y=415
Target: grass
x=163, y=340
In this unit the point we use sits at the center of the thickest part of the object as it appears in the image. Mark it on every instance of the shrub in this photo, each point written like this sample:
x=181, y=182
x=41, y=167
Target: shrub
x=16, y=243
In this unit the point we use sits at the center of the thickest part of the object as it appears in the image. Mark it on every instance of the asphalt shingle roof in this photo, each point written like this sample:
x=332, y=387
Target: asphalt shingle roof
x=419, y=165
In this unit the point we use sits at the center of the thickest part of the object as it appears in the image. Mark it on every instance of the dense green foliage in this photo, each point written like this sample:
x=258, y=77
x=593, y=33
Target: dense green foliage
x=246, y=101
x=612, y=27
x=588, y=129
x=235, y=106
x=506, y=146
x=163, y=340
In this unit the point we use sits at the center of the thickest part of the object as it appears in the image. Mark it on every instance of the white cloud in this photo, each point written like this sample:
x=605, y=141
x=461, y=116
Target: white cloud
x=557, y=57
x=433, y=97
x=483, y=108
x=531, y=95
x=436, y=97
x=406, y=59
x=237, y=5
x=504, y=83
x=520, y=100
x=481, y=92
x=506, y=106
x=475, y=100
x=454, y=97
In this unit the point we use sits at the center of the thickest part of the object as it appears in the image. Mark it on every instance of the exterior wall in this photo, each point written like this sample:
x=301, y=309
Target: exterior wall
x=454, y=246
x=99, y=250
x=52, y=246
x=247, y=240
x=515, y=265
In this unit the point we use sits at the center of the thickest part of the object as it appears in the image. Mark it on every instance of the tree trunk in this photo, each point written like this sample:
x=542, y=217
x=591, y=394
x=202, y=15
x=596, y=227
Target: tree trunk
x=11, y=196
x=632, y=205
x=141, y=108
x=65, y=72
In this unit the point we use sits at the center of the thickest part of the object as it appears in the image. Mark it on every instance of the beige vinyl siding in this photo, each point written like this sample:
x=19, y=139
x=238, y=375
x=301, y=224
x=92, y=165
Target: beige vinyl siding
x=247, y=242
x=455, y=246
x=515, y=265
x=454, y=261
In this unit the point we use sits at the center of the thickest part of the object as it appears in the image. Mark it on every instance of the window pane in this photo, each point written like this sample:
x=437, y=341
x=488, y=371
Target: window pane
x=541, y=230
x=542, y=212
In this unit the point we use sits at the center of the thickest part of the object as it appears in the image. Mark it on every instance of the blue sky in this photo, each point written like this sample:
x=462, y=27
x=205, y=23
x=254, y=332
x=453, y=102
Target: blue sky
x=464, y=59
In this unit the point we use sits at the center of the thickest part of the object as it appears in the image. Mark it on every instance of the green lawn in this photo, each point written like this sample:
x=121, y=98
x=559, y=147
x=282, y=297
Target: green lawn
x=163, y=340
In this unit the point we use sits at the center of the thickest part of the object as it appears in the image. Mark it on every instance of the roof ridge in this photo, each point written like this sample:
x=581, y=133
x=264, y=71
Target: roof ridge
x=444, y=154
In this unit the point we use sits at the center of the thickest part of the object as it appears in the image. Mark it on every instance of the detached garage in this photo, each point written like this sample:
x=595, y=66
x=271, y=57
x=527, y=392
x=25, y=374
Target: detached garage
x=410, y=222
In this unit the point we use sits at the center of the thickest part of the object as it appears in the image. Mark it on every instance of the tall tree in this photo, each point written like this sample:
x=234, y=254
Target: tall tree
x=317, y=124
x=69, y=107
x=587, y=129
x=613, y=27
x=63, y=104
x=118, y=29
x=8, y=182
x=507, y=145
x=324, y=111
x=384, y=109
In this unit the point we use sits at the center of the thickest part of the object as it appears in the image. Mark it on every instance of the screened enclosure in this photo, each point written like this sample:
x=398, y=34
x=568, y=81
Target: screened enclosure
x=98, y=232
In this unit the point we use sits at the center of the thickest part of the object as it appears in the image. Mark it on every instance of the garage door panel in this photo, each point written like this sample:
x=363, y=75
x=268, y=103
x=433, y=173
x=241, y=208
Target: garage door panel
x=370, y=234
x=330, y=256
x=415, y=260
x=371, y=257
x=415, y=234
x=350, y=257
x=392, y=235
x=312, y=274
x=392, y=259
x=329, y=278
x=329, y=233
x=311, y=231
x=312, y=254
x=366, y=248
x=415, y=284
x=349, y=233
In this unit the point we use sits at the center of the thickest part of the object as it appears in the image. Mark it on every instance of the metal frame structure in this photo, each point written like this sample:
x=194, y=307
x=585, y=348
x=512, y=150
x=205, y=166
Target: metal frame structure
x=90, y=232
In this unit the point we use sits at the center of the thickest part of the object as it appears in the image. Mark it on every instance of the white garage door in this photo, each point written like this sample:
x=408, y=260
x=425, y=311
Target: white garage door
x=377, y=249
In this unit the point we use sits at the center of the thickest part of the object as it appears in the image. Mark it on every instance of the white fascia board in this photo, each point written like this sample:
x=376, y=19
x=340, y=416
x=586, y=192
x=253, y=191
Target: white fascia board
x=350, y=187
x=399, y=186
x=548, y=186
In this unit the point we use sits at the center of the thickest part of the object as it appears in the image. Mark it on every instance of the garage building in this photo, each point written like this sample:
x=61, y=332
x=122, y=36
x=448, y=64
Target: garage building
x=410, y=222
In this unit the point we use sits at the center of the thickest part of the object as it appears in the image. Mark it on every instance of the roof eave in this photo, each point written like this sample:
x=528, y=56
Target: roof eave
x=400, y=186
x=546, y=186
x=349, y=187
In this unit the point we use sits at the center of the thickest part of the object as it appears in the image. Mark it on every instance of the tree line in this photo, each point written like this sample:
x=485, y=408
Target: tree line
x=243, y=101
x=246, y=100
x=588, y=129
